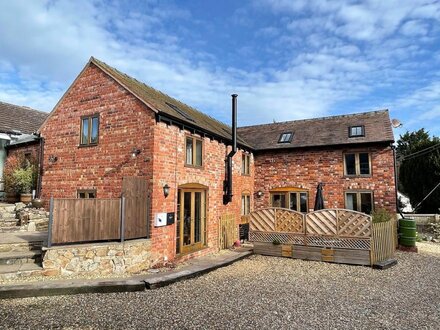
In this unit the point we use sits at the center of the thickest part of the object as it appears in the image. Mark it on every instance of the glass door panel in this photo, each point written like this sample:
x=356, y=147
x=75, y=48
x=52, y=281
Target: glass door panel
x=179, y=217
x=197, y=217
x=186, y=218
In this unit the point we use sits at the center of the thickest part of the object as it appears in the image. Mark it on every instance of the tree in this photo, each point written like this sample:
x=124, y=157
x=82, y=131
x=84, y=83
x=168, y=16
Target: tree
x=418, y=157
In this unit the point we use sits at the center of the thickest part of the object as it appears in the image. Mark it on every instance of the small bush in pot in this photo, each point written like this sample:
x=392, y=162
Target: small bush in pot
x=24, y=181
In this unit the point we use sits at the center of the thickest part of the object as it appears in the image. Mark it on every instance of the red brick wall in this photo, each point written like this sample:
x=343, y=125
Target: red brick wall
x=305, y=168
x=32, y=149
x=169, y=168
x=124, y=123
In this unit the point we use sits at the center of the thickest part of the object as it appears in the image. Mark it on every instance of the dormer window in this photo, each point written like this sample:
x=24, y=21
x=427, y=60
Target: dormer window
x=286, y=137
x=355, y=131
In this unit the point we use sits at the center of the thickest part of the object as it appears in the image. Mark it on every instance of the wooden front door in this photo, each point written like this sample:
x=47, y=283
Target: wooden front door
x=191, y=220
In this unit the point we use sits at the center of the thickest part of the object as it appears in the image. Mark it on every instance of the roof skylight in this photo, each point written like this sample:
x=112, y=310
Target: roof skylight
x=285, y=137
x=179, y=111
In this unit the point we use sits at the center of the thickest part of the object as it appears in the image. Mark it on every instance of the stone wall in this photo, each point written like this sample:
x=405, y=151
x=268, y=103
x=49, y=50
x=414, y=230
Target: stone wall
x=32, y=219
x=19, y=217
x=130, y=257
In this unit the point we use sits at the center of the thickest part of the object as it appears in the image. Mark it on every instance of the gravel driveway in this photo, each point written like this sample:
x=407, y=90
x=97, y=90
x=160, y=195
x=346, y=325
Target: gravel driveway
x=258, y=293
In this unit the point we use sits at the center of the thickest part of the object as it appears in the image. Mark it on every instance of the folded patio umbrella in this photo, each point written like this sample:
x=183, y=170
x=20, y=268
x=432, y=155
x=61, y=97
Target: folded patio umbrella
x=319, y=200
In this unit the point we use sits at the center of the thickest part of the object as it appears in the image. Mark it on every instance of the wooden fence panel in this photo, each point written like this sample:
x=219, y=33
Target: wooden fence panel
x=135, y=191
x=323, y=222
x=82, y=220
x=353, y=224
x=263, y=220
x=228, y=231
x=383, y=244
x=289, y=221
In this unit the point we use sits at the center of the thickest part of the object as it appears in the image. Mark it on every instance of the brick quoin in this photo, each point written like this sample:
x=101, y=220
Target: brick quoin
x=305, y=168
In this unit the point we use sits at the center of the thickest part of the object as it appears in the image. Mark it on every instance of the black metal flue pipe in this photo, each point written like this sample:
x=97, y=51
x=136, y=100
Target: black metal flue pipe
x=228, y=185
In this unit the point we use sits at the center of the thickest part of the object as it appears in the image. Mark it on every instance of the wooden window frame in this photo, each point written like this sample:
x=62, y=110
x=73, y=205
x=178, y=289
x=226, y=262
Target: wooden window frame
x=247, y=200
x=194, y=154
x=287, y=193
x=360, y=135
x=87, y=192
x=358, y=198
x=89, y=133
x=246, y=164
x=357, y=164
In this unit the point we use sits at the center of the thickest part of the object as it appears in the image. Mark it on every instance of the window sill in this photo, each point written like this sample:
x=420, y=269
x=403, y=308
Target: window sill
x=87, y=145
x=357, y=176
x=194, y=166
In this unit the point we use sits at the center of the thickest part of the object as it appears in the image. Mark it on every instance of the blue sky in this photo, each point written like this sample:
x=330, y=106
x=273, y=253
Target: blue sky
x=286, y=59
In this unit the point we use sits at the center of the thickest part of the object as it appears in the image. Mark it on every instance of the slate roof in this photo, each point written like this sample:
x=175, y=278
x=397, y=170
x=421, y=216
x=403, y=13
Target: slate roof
x=18, y=118
x=168, y=106
x=324, y=131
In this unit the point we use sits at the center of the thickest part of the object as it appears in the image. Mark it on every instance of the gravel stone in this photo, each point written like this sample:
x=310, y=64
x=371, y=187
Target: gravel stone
x=257, y=293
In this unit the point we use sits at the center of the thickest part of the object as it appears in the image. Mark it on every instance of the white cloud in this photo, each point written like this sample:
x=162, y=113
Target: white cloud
x=414, y=28
x=318, y=54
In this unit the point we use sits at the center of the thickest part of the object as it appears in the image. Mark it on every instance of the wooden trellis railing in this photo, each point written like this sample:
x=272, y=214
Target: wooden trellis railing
x=337, y=229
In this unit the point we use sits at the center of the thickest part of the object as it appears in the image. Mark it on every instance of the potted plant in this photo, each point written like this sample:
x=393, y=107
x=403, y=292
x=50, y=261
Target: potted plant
x=24, y=181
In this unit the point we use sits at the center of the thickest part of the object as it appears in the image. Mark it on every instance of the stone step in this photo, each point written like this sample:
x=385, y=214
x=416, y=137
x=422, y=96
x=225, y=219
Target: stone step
x=15, y=229
x=8, y=223
x=27, y=257
x=7, y=209
x=21, y=247
x=18, y=271
x=7, y=216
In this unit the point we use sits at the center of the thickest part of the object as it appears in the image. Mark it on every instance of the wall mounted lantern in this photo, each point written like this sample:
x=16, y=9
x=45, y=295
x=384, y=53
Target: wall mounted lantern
x=53, y=159
x=259, y=193
x=135, y=152
x=166, y=190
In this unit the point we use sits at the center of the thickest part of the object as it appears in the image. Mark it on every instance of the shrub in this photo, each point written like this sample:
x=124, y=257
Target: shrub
x=381, y=215
x=24, y=179
x=12, y=164
x=16, y=174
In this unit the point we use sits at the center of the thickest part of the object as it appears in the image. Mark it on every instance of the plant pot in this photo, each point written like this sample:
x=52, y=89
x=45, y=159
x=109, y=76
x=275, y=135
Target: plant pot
x=11, y=197
x=37, y=203
x=25, y=198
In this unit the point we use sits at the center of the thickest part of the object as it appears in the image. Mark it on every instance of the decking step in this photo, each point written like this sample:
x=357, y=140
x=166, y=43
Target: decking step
x=12, y=258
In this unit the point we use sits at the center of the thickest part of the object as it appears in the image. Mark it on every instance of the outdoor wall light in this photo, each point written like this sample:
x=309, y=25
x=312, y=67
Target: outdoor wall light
x=259, y=193
x=53, y=159
x=166, y=190
x=135, y=152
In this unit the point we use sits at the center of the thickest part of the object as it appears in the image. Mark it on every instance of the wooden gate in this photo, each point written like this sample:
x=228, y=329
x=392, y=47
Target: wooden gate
x=76, y=220
x=135, y=207
x=228, y=230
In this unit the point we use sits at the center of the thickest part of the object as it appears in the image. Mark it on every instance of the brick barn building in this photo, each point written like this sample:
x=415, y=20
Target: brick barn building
x=108, y=126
